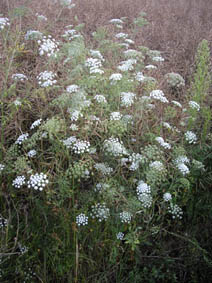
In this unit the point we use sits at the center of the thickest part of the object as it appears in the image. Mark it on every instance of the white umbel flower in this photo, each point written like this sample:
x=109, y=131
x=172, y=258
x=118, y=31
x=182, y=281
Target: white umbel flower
x=72, y=88
x=4, y=22
x=125, y=217
x=194, y=105
x=183, y=168
x=46, y=79
x=127, y=98
x=19, y=181
x=22, y=138
x=38, y=181
x=19, y=77
x=81, y=219
x=115, y=116
x=158, y=95
x=32, y=153
x=35, y=124
x=100, y=211
x=100, y=98
x=114, y=147
x=167, y=197
x=115, y=77
x=190, y=137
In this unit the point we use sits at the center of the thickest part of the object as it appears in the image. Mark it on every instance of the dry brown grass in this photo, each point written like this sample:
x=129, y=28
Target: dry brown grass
x=176, y=27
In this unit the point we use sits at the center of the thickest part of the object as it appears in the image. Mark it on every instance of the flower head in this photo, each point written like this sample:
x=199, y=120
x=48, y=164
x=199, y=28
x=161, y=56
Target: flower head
x=120, y=236
x=158, y=95
x=4, y=22
x=19, y=181
x=190, y=137
x=125, y=217
x=81, y=219
x=38, y=181
x=100, y=211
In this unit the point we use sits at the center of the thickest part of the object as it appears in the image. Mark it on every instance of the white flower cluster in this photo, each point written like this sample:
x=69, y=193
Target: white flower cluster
x=22, y=138
x=164, y=144
x=158, y=59
x=32, y=153
x=124, y=44
x=4, y=22
x=158, y=95
x=144, y=194
x=100, y=211
x=167, y=197
x=183, y=168
x=2, y=166
x=121, y=35
x=3, y=222
x=46, y=79
x=115, y=77
x=94, y=65
x=139, y=77
x=120, y=236
x=190, y=137
x=80, y=147
x=101, y=187
x=175, y=80
x=71, y=33
x=127, y=65
x=181, y=159
x=76, y=145
x=100, y=98
x=97, y=54
x=194, y=105
x=167, y=126
x=75, y=115
x=19, y=181
x=125, y=217
x=114, y=147
x=150, y=67
x=82, y=219
x=69, y=141
x=35, y=124
x=19, y=77
x=116, y=21
x=33, y=34
x=48, y=46
x=72, y=88
x=157, y=166
x=115, y=116
x=127, y=98
x=176, y=211
x=130, y=41
x=135, y=159
x=131, y=53
x=104, y=168
x=180, y=164
x=38, y=181
x=176, y=103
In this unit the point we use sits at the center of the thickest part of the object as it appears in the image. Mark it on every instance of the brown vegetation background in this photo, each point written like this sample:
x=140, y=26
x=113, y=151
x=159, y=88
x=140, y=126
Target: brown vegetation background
x=176, y=27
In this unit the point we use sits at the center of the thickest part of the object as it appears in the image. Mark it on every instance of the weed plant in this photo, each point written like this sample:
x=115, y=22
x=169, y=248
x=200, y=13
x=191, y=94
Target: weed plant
x=105, y=176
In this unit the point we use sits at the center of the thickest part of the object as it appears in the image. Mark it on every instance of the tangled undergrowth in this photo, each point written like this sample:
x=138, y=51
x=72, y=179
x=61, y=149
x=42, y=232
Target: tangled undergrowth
x=105, y=162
